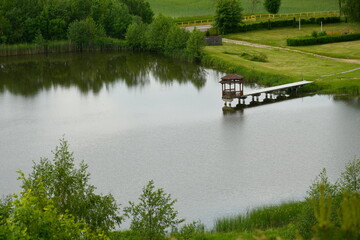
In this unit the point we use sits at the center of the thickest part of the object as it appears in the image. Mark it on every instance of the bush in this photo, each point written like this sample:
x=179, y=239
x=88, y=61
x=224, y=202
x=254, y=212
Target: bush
x=157, y=33
x=314, y=34
x=195, y=44
x=284, y=23
x=84, y=33
x=152, y=217
x=176, y=40
x=322, y=33
x=135, y=35
x=305, y=41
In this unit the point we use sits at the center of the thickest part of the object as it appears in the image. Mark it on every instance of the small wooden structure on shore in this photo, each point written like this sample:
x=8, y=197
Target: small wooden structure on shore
x=233, y=87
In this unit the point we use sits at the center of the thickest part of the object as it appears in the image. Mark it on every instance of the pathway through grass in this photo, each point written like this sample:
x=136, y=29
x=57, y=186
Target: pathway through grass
x=238, y=42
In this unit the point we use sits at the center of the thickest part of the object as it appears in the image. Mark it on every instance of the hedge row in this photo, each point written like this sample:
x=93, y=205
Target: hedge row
x=285, y=23
x=308, y=40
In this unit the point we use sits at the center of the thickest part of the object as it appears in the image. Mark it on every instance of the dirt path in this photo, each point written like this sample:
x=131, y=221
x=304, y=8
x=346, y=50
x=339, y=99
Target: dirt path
x=257, y=45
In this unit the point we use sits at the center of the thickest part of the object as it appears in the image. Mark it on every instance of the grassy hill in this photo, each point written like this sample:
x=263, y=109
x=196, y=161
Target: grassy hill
x=176, y=8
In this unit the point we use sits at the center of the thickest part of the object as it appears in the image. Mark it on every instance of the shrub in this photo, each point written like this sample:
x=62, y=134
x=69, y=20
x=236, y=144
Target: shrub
x=84, y=33
x=135, y=35
x=152, y=217
x=314, y=34
x=195, y=44
x=322, y=33
x=305, y=41
x=157, y=33
x=176, y=40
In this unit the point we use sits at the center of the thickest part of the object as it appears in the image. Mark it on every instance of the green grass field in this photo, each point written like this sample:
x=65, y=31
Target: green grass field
x=289, y=67
x=277, y=37
x=177, y=8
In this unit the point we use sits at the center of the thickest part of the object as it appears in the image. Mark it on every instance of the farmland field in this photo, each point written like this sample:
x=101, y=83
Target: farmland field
x=176, y=8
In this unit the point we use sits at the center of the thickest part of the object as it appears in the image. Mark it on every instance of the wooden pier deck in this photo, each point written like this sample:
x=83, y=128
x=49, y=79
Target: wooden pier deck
x=275, y=88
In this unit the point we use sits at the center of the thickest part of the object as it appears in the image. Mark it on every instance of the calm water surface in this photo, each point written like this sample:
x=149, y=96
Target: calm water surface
x=137, y=117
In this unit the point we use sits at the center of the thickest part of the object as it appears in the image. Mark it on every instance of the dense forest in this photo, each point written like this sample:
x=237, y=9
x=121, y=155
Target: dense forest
x=23, y=20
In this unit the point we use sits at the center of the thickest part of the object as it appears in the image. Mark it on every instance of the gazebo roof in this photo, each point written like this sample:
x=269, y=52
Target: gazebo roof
x=232, y=77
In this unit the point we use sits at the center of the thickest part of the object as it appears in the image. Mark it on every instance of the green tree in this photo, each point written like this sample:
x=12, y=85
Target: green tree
x=176, y=40
x=157, y=33
x=350, y=178
x=228, y=15
x=69, y=189
x=135, y=35
x=140, y=8
x=84, y=33
x=154, y=215
x=195, y=45
x=272, y=6
x=352, y=9
x=34, y=216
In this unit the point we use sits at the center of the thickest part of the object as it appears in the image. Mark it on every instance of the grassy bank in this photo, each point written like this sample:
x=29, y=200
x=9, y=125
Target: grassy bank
x=177, y=8
x=284, y=67
x=277, y=37
x=58, y=47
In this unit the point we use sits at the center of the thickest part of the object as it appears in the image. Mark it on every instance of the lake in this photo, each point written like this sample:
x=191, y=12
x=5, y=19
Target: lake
x=137, y=117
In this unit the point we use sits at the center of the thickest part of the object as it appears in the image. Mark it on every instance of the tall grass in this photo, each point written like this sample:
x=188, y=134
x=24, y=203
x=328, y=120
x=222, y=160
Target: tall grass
x=261, y=218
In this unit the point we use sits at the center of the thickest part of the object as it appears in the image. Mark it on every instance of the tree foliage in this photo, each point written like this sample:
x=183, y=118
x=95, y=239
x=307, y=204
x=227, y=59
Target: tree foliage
x=21, y=20
x=332, y=209
x=154, y=215
x=195, y=44
x=157, y=32
x=135, y=35
x=69, y=189
x=352, y=9
x=228, y=15
x=272, y=6
x=84, y=33
x=176, y=40
x=32, y=215
x=140, y=8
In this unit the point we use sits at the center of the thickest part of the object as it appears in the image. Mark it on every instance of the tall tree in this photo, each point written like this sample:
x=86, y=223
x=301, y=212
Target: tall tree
x=272, y=6
x=228, y=15
x=352, y=9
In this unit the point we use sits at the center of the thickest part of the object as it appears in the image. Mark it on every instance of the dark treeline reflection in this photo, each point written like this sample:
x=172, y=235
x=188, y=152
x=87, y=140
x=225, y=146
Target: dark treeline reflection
x=349, y=100
x=91, y=72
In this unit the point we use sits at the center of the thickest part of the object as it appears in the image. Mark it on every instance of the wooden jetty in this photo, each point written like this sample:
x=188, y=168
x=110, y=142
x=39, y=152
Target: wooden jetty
x=233, y=87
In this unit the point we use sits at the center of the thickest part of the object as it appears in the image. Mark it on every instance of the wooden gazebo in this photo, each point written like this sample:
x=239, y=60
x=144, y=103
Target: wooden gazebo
x=232, y=86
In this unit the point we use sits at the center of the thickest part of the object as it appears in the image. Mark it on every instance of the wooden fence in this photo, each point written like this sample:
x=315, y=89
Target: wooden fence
x=262, y=17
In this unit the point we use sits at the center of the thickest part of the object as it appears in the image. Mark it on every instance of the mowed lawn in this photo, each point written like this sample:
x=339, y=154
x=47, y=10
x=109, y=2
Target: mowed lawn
x=293, y=66
x=178, y=8
x=277, y=37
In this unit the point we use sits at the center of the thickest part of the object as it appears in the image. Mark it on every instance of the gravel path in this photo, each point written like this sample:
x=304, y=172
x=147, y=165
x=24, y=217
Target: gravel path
x=238, y=42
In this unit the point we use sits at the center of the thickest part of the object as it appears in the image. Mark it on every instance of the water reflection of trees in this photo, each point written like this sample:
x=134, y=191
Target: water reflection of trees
x=349, y=100
x=91, y=72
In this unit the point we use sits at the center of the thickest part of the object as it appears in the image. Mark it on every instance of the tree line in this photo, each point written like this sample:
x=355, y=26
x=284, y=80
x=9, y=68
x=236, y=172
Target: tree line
x=21, y=21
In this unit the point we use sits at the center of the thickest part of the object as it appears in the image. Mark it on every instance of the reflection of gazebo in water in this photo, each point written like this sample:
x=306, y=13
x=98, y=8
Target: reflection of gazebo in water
x=232, y=87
